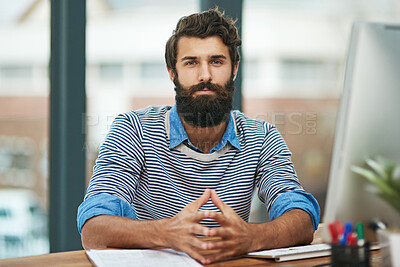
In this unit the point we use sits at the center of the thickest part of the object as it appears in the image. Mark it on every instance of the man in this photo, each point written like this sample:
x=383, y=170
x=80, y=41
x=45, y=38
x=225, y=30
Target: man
x=167, y=175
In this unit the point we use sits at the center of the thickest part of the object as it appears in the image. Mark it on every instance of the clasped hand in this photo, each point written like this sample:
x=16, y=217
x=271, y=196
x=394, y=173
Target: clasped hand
x=234, y=234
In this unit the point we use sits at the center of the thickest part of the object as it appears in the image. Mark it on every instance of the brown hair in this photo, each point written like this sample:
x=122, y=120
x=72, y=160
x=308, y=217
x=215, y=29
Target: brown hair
x=202, y=25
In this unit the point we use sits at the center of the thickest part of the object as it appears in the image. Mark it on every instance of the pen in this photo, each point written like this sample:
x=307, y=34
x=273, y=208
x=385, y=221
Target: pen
x=360, y=234
x=334, y=233
x=348, y=227
x=352, y=239
x=339, y=228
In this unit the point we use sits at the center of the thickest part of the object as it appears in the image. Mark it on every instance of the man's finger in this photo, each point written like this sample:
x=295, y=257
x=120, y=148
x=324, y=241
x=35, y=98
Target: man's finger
x=217, y=201
x=198, y=229
x=198, y=216
x=219, y=256
x=220, y=232
x=197, y=243
x=195, y=255
x=220, y=244
x=203, y=199
x=219, y=218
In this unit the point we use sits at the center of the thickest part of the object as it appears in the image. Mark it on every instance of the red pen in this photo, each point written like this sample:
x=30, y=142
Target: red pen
x=339, y=228
x=352, y=239
x=333, y=232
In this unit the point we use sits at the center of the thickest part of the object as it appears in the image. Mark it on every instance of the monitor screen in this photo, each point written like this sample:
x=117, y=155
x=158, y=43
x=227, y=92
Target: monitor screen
x=368, y=124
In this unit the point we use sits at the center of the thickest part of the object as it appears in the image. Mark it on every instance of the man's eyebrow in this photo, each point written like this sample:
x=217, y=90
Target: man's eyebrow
x=188, y=58
x=218, y=56
x=194, y=57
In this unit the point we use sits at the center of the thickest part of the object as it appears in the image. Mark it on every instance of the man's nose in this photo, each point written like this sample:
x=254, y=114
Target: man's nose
x=204, y=73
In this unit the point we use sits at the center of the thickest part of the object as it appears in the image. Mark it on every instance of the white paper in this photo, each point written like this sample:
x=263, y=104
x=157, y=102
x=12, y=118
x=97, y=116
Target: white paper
x=279, y=252
x=140, y=257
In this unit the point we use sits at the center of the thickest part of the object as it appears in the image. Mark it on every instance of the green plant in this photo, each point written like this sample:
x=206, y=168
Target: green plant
x=385, y=175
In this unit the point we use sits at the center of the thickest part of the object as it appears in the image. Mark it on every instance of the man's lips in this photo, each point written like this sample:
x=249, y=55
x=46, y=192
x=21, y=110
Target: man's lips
x=204, y=91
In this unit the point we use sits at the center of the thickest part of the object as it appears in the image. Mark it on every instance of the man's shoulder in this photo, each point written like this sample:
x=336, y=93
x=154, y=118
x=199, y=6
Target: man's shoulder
x=246, y=123
x=149, y=112
x=140, y=118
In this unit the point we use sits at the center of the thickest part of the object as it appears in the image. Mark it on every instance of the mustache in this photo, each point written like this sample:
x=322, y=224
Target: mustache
x=201, y=86
x=210, y=86
x=224, y=91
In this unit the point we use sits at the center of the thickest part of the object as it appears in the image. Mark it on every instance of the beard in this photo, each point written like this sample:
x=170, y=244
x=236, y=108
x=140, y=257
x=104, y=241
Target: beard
x=204, y=110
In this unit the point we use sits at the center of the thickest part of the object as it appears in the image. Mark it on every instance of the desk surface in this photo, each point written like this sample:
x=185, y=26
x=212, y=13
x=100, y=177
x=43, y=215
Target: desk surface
x=79, y=259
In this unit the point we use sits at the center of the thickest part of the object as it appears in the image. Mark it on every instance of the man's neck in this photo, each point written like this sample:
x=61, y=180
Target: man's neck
x=205, y=138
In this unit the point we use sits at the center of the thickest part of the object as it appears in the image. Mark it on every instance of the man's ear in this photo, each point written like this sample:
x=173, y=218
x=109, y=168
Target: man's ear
x=171, y=74
x=235, y=70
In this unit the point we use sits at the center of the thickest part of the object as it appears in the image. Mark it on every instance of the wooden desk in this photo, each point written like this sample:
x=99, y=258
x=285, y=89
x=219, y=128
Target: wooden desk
x=79, y=259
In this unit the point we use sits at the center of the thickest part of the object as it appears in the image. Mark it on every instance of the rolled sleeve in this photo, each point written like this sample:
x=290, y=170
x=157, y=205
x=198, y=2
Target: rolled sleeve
x=296, y=199
x=103, y=204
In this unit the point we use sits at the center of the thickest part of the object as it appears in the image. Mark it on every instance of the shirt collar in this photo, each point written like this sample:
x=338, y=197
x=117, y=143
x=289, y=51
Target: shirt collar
x=177, y=134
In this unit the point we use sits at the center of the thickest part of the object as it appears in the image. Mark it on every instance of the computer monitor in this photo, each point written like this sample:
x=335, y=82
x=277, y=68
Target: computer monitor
x=368, y=123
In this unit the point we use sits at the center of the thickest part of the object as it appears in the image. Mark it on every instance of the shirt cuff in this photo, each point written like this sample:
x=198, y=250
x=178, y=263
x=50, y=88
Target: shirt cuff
x=296, y=199
x=103, y=204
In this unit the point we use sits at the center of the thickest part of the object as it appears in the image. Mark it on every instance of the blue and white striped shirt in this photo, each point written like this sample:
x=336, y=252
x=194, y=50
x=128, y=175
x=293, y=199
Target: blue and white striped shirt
x=147, y=169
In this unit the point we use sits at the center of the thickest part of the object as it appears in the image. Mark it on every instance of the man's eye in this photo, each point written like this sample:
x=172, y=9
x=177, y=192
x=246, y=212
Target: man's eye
x=190, y=63
x=217, y=62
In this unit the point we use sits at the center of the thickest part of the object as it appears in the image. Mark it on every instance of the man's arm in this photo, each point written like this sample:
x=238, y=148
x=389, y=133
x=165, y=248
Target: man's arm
x=179, y=232
x=238, y=237
x=120, y=232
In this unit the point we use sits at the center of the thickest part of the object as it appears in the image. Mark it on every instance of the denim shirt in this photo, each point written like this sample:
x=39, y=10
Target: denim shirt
x=178, y=134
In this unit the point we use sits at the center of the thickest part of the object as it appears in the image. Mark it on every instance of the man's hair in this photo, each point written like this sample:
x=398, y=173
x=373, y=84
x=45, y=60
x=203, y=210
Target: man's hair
x=202, y=25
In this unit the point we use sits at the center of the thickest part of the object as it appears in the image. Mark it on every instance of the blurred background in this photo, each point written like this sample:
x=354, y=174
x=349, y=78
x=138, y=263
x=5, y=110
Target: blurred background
x=293, y=59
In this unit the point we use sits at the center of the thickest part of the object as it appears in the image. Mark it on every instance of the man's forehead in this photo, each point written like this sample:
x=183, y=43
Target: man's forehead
x=189, y=46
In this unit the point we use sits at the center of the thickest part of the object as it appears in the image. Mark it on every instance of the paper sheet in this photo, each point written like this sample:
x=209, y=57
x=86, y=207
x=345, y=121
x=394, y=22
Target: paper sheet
x=279, y=252
x=140, y=257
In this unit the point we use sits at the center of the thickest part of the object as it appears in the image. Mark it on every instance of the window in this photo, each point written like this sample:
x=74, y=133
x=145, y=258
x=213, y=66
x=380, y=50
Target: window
x=301, y=48
x=16, y=72
x=308, y=71
x=153, y=70
x=111, y=72
x=5, y=213
x=24, y=89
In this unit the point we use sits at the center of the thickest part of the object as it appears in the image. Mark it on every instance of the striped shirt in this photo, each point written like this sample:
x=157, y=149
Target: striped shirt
x=147, y=169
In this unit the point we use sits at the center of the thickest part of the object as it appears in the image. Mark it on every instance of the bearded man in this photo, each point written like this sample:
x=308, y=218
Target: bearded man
x=168, y=176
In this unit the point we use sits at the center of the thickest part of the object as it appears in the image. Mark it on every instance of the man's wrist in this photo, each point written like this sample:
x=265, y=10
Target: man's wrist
x=264, y=236
x=159, y=232
x=256, y=233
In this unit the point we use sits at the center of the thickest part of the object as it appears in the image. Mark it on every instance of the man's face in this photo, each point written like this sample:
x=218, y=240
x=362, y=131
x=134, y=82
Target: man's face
x=202, y=60
x=204, y=85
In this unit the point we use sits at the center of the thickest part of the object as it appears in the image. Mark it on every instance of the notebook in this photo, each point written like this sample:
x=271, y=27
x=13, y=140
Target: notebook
x=293, y=253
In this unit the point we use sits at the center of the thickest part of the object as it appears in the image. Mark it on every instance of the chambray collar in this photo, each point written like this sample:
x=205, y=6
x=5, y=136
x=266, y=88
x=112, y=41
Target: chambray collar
x=177, y=134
